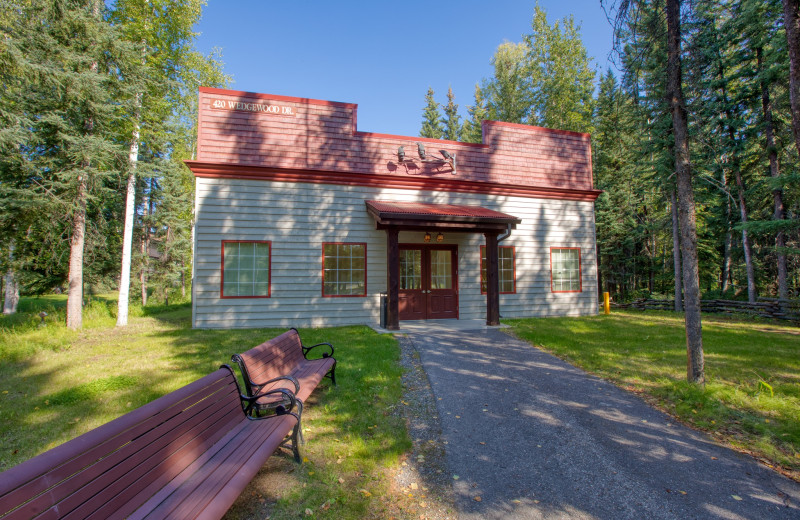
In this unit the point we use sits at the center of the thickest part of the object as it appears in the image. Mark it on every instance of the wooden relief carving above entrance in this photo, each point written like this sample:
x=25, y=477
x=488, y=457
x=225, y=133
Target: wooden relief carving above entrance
x=428, y=282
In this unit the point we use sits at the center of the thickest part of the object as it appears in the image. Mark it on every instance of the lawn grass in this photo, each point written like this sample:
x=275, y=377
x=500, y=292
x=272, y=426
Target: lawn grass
x=56, y=384
x=751, y=399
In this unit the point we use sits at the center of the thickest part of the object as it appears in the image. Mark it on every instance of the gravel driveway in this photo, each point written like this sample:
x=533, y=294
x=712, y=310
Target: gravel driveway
x=527, y=435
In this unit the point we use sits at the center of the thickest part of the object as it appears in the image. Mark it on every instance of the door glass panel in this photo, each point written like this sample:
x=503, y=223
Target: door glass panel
x=441, y=270
x=410, y=269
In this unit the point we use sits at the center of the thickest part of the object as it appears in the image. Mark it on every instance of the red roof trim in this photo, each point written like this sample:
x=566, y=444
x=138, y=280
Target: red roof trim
x=231, y=171
x=529, y=127
x=275, y=97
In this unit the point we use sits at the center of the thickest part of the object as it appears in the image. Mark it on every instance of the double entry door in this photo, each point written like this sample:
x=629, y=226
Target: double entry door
x=428, y=282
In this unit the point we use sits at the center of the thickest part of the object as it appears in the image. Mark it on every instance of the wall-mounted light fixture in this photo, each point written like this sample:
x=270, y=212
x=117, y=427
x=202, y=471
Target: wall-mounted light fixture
x=440, y=237
x=427, y=237
x=448, y=158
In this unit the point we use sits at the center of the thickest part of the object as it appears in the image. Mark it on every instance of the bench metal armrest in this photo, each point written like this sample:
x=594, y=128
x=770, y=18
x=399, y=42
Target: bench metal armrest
x=251, y=402
x=279, y=378
x=306, y=350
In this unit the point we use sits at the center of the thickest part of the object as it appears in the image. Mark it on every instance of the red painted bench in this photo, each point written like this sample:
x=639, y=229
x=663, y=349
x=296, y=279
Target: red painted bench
x=283, y=362
x=188, y=454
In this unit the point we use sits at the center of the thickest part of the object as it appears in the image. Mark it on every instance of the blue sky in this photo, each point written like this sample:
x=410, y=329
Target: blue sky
x=381, y=55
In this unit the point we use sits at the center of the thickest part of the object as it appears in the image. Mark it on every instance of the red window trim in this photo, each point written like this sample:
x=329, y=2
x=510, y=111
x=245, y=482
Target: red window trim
x=580, y=270
x=322, y=271
x=513, y=264
x=222, y=269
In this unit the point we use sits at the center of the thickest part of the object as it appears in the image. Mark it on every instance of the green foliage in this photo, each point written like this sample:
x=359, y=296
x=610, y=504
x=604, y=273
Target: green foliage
x=471, y=131
x=431, y=118
x=451, y=121
x=507, y=95
x=560, y=79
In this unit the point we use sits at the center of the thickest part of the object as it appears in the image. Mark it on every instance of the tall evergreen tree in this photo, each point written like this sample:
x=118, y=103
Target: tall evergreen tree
x=695, y=369
x=471, y=131
x=431, y=118
x=71, y=144
x=451, y=121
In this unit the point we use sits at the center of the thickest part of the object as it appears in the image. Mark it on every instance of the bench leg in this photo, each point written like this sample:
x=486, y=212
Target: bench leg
x=295, y=447
x=332, y=373
x=299, y=420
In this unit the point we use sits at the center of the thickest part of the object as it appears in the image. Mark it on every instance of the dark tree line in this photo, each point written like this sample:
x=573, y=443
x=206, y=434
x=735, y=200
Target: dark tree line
x=695, y=143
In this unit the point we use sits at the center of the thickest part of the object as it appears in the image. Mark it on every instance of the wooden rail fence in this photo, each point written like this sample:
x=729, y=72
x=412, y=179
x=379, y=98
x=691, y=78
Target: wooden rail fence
x=765, y=308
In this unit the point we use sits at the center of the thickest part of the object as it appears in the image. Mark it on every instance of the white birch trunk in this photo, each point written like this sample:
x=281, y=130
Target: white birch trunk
x=127, y=236
x=11, y=299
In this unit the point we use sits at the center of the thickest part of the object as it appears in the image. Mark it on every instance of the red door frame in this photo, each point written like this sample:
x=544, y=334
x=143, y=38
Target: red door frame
x=421, y=298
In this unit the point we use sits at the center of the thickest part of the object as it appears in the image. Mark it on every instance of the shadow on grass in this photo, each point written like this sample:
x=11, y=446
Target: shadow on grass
x=50, y=395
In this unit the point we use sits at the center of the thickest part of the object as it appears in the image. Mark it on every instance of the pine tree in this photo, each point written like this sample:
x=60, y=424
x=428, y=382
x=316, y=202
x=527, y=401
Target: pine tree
x=71, y=145
x=431, y=118
x=471, y=130
x=451, y=121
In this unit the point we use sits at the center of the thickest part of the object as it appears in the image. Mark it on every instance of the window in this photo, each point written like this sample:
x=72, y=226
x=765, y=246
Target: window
x=565, y=269
x=246, y=269
x=344, y=269
x=506, y=268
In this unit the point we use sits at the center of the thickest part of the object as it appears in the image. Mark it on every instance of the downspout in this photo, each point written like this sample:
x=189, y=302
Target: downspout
x=500, y=238
x=505, y=235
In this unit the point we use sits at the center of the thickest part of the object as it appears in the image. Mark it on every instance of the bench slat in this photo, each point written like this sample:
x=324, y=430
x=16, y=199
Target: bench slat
x=196, y=432
x=158, y=466
x=48, y=469
x=202, y=490
x=120, y=467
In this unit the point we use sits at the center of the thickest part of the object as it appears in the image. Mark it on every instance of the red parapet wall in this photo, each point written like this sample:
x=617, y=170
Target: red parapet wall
x=296, y=134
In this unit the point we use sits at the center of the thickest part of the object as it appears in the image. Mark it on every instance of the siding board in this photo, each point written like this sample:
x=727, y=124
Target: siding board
x=298, y=218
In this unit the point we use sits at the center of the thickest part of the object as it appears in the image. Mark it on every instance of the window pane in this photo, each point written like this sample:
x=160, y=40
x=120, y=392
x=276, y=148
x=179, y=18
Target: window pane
x=411, y=269
x=246, y=269
x=344, y=272
x=505, y=269
x=566, y=271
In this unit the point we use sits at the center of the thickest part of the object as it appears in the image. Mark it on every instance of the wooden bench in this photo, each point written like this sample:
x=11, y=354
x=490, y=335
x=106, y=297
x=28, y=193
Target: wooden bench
x=283, y=362
x=188, y=454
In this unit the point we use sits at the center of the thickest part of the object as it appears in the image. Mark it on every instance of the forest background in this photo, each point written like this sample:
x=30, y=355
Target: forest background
x=98, y=112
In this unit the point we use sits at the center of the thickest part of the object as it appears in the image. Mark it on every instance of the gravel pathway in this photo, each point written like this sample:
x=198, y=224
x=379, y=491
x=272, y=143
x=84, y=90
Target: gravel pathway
x=513, y=432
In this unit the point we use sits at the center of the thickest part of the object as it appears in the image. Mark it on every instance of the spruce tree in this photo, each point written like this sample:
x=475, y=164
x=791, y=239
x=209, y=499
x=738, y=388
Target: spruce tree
x=471, y=130
x=431, y=118
x=451, y=121
x=71, y=145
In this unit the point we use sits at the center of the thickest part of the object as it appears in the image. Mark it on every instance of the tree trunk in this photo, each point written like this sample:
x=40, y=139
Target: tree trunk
x=774, y=170
x=75, y=277
x=676, y=252
x=748, y=250
x=791, y=22
x=127, y=236
x=11, y=299
x=78, y=240
x=145, y=248
x=726, y=260
x=695, y=370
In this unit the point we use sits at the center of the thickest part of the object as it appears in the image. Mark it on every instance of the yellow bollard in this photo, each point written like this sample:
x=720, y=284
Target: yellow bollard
x=606, y=303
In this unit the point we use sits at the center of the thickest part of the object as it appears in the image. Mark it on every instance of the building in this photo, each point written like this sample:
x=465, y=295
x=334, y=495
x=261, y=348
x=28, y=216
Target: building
x=302, y=220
